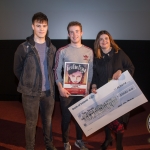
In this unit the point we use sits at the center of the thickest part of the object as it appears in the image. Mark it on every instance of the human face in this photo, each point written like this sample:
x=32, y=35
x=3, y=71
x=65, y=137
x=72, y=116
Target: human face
x=104, y=42
x=75, y=34
x=76, y=77
x=40, y=29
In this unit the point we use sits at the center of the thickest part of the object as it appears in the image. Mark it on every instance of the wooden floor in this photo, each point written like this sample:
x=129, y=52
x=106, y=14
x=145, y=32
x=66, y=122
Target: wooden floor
x=12, y=123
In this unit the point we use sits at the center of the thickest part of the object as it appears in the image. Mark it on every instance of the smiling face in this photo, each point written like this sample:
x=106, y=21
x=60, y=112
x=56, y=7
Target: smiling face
x=104, y=42
x=76, y=77
x=75, y=34
x=40, y=29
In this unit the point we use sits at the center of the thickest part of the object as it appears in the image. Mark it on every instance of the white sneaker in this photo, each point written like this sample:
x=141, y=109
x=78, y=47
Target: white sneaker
x=67, y=146
x=80, y=144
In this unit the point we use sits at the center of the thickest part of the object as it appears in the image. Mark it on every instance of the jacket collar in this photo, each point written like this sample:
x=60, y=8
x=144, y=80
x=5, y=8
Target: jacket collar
x=30, y=39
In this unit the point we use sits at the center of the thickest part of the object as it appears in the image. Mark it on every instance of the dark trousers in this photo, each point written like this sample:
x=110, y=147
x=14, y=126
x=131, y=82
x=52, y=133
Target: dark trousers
x=66, y=117
x=31, y=105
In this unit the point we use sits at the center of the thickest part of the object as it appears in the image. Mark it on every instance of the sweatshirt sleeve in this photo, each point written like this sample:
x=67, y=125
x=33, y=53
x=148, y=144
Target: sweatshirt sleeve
x=58, y=66
x=90, y=75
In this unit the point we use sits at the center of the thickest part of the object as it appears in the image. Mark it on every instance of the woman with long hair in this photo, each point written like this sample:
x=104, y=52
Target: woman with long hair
x=109, y=63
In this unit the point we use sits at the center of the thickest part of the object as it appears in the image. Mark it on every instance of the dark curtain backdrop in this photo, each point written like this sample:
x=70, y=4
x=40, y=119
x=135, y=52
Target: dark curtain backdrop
x=138, y=51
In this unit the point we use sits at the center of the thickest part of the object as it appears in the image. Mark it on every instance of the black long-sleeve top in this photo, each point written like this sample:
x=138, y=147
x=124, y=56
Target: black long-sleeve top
x=105, y=67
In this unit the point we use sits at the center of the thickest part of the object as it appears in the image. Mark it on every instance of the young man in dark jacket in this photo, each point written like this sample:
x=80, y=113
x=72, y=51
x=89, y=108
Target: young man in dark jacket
x=33, y=66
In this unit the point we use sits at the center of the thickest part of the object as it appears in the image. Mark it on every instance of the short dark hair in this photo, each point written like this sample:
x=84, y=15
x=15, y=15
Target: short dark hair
x=74, y=23
x=39, y=16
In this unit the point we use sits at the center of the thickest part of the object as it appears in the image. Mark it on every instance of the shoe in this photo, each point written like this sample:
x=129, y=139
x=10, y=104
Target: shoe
x=52, y=147
x=67, y=146
x=80, y=144
x=105, y=144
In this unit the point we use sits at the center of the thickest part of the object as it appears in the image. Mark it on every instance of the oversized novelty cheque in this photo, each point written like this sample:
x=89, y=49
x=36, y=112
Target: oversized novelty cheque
x=75, y=78
x=111, y=101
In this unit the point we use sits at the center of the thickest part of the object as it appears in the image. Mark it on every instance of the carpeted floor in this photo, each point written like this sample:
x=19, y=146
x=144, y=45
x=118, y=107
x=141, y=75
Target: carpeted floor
x=12, y=123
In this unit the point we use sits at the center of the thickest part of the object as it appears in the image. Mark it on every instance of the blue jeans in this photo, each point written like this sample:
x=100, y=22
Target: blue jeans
x=31, y=105
x=66, y=117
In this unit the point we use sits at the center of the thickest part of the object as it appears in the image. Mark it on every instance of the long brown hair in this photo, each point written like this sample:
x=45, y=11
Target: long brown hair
x=97, y=48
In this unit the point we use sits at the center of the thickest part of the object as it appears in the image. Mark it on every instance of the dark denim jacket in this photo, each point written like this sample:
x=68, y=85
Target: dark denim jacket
x=28, y=70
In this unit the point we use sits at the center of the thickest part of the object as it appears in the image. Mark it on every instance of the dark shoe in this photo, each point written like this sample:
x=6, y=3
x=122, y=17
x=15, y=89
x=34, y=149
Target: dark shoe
x=105, y=144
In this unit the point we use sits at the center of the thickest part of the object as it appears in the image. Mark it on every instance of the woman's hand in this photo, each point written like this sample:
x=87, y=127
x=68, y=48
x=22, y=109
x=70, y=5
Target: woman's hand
x=117, y=74
x=94, y=88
